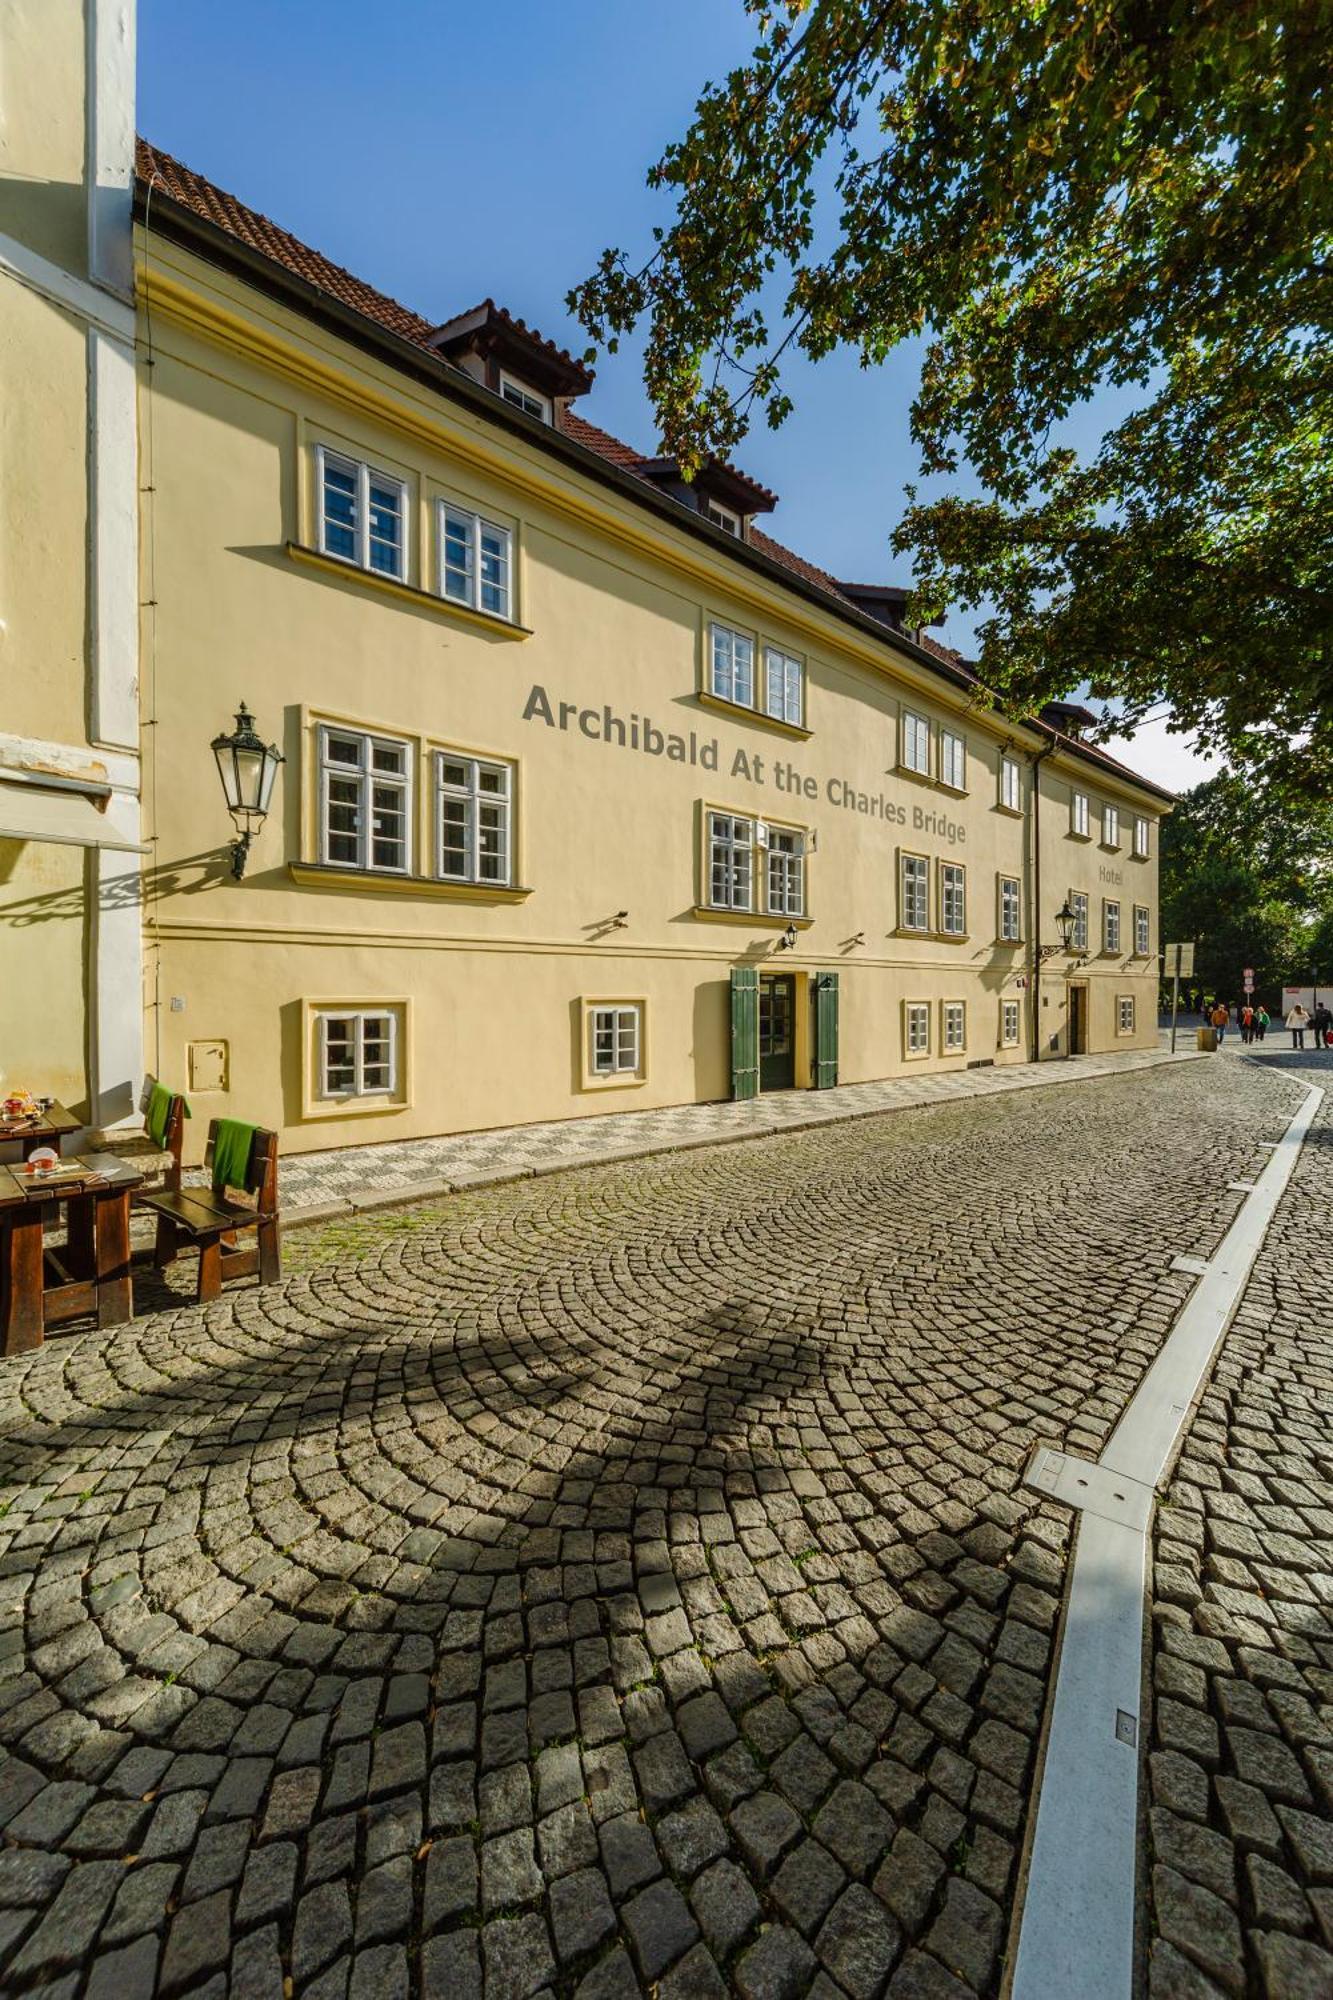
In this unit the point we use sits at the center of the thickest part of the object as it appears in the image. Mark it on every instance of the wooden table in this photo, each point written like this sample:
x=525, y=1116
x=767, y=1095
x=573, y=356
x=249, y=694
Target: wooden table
x=89, y=1272
x=48, y=1128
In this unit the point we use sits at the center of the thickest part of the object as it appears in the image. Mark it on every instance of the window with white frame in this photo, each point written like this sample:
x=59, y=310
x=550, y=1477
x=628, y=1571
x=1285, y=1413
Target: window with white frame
x=955, y=1027
x=524, y=398
x=476, y=561
x=914, y=747
x=1110, y=826
x=1142, y=929
x=732, y=666
x=474, y=817
x=1110, y=926
x=1124, y=1014
x=1078, y=814
x=1010, y=923
x=784, y=675
x=914, y=893
x=730, y=862
x=786, y=872
x=615, y=1037
x=1078, y=932
x=1141, y=840
x=916, y=1028
x=953, y=899
x=1008, y=1024
x=362, y=513
x=365, y=797
x=953, y=761
x=358, y=1054
x=1011, y=785
x=723, y=517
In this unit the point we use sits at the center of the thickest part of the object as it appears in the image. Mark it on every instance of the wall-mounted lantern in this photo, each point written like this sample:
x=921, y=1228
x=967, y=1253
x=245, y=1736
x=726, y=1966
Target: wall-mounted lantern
x=1066, y=917
x=247, y=767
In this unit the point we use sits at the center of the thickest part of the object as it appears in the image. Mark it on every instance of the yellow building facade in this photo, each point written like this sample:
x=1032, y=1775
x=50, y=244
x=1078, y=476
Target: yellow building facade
x=593, y=797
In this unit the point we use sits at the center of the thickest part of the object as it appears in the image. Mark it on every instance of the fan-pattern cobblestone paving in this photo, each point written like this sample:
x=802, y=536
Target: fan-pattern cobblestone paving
x=613, y=1583
x=1241, y=1818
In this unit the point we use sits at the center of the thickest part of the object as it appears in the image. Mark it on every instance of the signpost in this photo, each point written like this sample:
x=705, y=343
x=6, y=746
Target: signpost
x=1248, y=981
x=1178, y=960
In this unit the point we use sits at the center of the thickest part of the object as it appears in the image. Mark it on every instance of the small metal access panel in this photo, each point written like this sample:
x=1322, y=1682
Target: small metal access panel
x=1091, y=1488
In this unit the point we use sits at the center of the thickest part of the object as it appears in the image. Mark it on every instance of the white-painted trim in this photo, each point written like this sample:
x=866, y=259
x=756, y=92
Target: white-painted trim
x=33, y=758
x=109, y=55
x=115, y=922
x=113, y=547
x=63, y=288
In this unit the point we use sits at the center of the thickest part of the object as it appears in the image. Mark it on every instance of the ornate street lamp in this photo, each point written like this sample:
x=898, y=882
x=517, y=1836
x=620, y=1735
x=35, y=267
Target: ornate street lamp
x=247, y=767
x=1066, y=917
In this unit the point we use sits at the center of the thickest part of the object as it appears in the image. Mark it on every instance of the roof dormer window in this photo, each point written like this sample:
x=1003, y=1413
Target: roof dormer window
x=525, y=399
x=723, y=517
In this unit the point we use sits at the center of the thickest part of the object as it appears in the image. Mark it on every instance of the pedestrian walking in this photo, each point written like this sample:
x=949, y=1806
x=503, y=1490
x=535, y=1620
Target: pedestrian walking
x=1298, y=1021
x=1261, y=1020
x=1220, y=1017
x=1246, y=1022
x=1322, y=1023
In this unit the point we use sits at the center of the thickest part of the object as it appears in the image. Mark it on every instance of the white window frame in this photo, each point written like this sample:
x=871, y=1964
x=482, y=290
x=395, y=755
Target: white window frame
x=1111, y=923
x=363, y=472
x=1142, y=930
x=733, y=651
x=1079, y=815
x=953, y=760
x=789, y=671
x=952, y=895
x=784, y=874
x=523, y=398
x=1124, y=1014
x=916, y=1028
x=475, y=586
x=921, y=881
x=1011, y=909
x=914, y=742
x=953, y=1016
x=1110, y=826
x=621, y=1018
x=367, y=778
x=1142, y=839
x=1079, y=935
x=1010, y=1012
x=360, y=1019
x=722, y=517
x=474, y=799
x=730, y=836
x=1011, y=784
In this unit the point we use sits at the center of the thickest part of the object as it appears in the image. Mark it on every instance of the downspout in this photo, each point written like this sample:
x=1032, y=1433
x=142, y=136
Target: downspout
x=1035, y=909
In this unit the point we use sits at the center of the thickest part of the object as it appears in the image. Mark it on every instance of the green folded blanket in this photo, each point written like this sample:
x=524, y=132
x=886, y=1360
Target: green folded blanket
x=159, y=1114
x=231, y=1154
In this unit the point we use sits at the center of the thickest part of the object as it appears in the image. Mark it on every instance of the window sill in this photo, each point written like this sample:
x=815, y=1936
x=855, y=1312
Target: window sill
x=1086, y=838
x=322, y=875
x=614, y=1082
x=1140, y=957
x=739, y=712
x=427, y=600
x=917, y=777
x=1011, y=812
x=916, y=1055
x=1109, y=846
x=1008, y=944
x=953, y=791
x=953, y=937
x=750, y=917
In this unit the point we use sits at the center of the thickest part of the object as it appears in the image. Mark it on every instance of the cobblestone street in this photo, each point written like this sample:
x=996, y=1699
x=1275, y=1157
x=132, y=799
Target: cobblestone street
x=620, y=1582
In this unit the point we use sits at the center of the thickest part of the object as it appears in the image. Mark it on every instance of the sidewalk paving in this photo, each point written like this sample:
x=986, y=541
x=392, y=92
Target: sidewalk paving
x=316, y=1185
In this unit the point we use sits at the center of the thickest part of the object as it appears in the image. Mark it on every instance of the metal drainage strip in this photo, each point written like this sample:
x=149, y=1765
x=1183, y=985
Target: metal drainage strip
x=1076, y=1930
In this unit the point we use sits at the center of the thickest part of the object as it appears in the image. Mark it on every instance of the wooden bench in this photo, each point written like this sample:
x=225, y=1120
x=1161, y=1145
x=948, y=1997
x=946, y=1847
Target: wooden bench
x=210, y=1220
x=158, y=1160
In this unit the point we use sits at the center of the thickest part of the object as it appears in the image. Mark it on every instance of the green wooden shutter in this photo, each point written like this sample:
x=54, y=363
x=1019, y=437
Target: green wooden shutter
x=826, y=1030
x=744, y=1031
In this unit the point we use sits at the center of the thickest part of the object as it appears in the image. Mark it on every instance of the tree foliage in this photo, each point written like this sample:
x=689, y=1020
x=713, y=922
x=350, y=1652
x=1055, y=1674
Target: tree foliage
x=1134, y=193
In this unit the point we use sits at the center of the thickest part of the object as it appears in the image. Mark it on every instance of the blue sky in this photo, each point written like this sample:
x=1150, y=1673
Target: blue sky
x=447, y=153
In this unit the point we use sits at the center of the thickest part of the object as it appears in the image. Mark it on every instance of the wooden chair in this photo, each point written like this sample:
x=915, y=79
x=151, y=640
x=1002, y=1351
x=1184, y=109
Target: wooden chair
x=211, y=1220
x=158, y=1157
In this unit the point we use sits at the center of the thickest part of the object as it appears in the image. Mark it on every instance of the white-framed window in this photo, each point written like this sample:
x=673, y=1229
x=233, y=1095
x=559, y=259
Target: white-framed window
x=1010, y=918
x=1011, y=785
x=1110, y=826
x=1078, y=936
x=474, y=819
x=953, y=899
x=914, y=743
x=953, y=761
x=784, y=693
x=358, y=1054
x=1110, y=926
x=1141, y=839
x=953, y=1015
x=1008, y=1024
x=476, y=561
x=524, y=398
x=732, y=665
x=1078, y=814
x=1142, y=929
x=916, y=1028
x=1124, y=1014
x=786, y=872
x=723, y=517
x=362, y=513
x=730, y=862
x=365, y=800
x=615, y=1037
x=914, y=893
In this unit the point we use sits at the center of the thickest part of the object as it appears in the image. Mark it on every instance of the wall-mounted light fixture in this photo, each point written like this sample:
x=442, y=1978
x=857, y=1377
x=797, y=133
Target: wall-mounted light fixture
x=1066, y=918
x=787, y=942
x=620, y=921
x=247, y=767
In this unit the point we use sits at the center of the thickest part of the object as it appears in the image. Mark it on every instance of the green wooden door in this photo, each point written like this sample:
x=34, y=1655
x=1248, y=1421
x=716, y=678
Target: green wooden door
x=826, y=1030
x=744, y=1031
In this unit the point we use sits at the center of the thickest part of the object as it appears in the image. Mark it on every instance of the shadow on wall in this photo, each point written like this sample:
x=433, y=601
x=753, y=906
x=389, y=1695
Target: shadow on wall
x=208, y=869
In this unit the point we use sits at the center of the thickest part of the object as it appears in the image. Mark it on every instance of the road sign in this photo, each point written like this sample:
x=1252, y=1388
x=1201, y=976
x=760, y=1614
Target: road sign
x=1249, y=975
x=1249, y=985
x=1178, y=961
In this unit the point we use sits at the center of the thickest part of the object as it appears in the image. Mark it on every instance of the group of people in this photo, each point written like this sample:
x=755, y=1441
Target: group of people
x=1254, y=1023
x=1320, y=1024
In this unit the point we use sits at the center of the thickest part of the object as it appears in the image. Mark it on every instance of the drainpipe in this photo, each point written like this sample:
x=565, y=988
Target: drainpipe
x=1035, y=912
